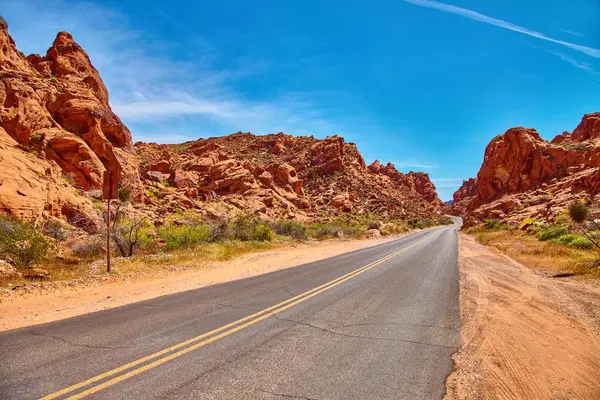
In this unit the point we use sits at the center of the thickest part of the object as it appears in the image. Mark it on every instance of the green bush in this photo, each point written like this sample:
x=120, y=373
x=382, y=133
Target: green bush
x=335, y=229
x=493, y=224
x=124, y=194
x=262, y=233
x=393, y=228
x=323, y=231
x=552, y=233
x=242, y=227
x=290, y=228
x=245, y=228
x=574, y=240
x=131, y=234
x=527, y=222
x=581, y=243
x=21, y=243
x=183, y=236
x=578, y=211
x=420, y=223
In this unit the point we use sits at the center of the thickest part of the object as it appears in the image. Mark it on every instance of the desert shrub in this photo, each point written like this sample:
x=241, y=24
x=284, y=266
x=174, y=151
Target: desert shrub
x=290, y=228
x=245, y=228
x=552, y=233
x=574, y=240
x=131, y=234
x=527, y=222
x=578, y=211
x=393, y=228
x=242, y=227
x=336, y=229
x=492, y=223
x=445, y=220
x=21, y=242
x=183, y=236
x=420, y=223
x=37, y=137
x=124, y=194
x=219, y=229
x=262, y=233
x=581, y=243
x=55, y=230
x=372, y=224
x=89, y=247
x=322, y=231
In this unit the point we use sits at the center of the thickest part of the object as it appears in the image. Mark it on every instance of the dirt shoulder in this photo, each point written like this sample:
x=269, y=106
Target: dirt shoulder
x=524, y=334
x=57, y=300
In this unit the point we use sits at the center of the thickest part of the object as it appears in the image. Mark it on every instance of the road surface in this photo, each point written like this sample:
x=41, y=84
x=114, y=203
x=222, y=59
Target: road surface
x=378, y=323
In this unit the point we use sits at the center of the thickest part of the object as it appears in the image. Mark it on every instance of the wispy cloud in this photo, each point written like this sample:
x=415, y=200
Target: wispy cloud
x=580, y=65
x=574, y=33
x=414, y=165
x=473, y=15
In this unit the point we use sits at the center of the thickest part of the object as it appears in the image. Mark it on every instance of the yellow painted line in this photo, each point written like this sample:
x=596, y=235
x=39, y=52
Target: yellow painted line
x=220, y=333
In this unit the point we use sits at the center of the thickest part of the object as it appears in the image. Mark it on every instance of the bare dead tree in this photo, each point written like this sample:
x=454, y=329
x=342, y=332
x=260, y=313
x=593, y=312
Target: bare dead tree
x=127, y=231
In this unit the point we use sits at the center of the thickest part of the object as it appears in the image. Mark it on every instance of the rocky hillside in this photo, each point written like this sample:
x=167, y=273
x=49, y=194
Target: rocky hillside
x=280, y=176
x=463, y=196
x=524, y=176
x=58, y=135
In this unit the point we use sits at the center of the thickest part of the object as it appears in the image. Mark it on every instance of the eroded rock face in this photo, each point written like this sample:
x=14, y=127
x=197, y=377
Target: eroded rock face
x=282, y=176
x=524, y=176
x=33, y=188
x=463, y=196
x=520, y=160
x=419, y=182
x=56, y=106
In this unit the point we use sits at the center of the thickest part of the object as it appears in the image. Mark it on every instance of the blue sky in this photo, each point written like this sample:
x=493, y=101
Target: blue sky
x=420, y=83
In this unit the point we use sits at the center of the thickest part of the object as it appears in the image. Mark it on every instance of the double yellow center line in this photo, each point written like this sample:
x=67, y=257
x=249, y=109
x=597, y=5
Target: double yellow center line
x=126, y=371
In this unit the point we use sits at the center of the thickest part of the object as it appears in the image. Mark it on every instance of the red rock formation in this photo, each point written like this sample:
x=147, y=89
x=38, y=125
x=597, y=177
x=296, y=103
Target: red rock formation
x=520, y=160
x=463, y=196
x=524, y=176
x=302, y=177
x=57, y=106
x=417, y=181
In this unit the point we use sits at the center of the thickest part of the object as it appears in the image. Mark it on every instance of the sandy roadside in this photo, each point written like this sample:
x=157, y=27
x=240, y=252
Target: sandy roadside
x=524, y=335
x=20, y=309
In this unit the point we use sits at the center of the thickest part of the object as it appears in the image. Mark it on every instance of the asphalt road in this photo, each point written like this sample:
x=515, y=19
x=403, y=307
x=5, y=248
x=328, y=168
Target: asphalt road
x=378, y=323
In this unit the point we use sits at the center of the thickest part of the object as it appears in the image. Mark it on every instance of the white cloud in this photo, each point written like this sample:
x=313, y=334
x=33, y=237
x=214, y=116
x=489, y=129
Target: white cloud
x=414, y=165
x=580, y=65
x=470, y=14
x=574, y=33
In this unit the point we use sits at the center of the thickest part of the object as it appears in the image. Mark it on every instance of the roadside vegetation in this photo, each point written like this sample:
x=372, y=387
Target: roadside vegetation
x=568, y=244
x=57, y=251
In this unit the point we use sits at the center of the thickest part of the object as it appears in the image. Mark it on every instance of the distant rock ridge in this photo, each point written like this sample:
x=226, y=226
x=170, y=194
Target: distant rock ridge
x=280, y=175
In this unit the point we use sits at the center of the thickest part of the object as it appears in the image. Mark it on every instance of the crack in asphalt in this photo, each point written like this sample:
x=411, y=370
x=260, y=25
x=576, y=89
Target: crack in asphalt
x=287, y=396
x=362, y=337
x=395, y=323
x=90, y=346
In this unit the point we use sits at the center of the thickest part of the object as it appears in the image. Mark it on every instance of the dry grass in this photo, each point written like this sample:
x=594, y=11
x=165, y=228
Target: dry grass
x=550, y=257
x=150, y=264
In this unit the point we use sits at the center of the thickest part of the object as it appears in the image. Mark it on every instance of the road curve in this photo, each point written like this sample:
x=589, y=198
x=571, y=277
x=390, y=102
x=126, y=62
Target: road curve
x=378, y=323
